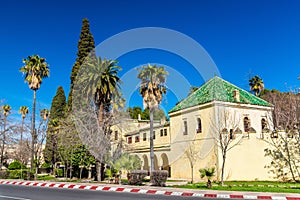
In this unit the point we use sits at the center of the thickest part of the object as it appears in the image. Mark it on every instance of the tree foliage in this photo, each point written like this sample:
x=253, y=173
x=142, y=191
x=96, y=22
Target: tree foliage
x=57, y=113
x=135, y=111
x=86, y=46
x=256, y=85
x=35, y=69
x=128, y=162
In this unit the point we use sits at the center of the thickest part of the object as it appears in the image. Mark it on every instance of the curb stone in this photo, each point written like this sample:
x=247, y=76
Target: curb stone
x=148, y=191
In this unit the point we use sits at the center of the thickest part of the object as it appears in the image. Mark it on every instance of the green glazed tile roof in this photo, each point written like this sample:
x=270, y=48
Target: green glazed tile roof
x=217, y=89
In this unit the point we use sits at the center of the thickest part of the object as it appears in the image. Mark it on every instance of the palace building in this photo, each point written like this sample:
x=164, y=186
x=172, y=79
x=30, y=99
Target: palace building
x=217, y=115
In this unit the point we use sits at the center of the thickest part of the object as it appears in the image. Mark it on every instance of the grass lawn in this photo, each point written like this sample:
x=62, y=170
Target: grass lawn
x=255, y=186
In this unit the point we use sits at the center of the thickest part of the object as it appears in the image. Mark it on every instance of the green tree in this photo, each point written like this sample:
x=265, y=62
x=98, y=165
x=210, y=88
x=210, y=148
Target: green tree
x=6, y=111
x=134, y=112
x=256, y=85
x=35, y=69
x=57, y=112
x=152, y=88
x=81, y=159
x=127, y=162
x=86, y=46
x=101, y=82
x=208, y=173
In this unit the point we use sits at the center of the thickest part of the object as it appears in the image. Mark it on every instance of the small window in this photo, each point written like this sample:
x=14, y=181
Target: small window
x=137, y=138
x=153, y=135
x=165, y=132
x=161, y=132
x=185, y=128
x=231, y=134
x=116, y=135
x=129, y=140
x=246, y=124
x=144, y=136
x=199, y=125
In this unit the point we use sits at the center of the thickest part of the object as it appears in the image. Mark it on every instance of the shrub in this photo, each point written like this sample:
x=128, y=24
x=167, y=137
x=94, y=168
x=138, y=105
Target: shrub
x=209, y=173
x=19, y=174
x=3, y=174
x=135, y=177
x=16, y=165
x=159, y=177
x=59, y=172
x=46, y=165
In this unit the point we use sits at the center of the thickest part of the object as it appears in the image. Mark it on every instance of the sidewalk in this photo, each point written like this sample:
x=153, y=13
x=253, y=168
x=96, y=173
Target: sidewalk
x=156, y=190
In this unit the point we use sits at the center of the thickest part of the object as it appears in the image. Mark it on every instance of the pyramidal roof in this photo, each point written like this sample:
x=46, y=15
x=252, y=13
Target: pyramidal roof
x=217, y=89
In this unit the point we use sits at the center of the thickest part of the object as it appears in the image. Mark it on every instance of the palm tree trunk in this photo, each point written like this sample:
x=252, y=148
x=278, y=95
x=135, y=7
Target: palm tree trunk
x=101, y=114
x=21, y=143
x=151, y=142
x=33, y=133
x=22, y=128
x=3, y=142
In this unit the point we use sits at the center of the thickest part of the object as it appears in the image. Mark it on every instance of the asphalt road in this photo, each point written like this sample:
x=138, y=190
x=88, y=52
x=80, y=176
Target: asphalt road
x=16, y=192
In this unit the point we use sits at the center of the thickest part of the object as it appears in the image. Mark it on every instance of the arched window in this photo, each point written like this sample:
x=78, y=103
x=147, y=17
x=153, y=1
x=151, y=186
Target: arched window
x=199, y=125
x=264, y=124
x=246, y=124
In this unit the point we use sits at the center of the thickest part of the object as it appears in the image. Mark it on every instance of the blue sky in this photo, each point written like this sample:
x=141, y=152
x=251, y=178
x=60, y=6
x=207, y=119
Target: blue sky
x=243, y=37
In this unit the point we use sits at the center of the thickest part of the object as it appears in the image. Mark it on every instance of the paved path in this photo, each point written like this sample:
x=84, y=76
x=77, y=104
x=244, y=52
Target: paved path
x=157, y=190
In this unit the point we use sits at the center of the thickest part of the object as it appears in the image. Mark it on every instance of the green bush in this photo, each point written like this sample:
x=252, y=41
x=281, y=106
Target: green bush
x=18, y=174
x=46, y=165
x=59, y=172
x=16, y=165
x=159, y=177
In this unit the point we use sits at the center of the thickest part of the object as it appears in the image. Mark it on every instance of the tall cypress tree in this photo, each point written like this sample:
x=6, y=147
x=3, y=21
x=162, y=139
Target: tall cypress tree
x=57, y=112
x=86, y=47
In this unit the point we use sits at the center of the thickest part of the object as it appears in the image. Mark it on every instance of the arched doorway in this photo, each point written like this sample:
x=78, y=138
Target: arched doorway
x=156, y=167
x=146, y=163
x=165, y=163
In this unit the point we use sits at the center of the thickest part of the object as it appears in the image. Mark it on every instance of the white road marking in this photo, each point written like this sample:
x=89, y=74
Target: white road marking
x=17, y=198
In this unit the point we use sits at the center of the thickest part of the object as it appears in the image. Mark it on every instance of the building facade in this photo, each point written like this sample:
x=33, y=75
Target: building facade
x=217, y=114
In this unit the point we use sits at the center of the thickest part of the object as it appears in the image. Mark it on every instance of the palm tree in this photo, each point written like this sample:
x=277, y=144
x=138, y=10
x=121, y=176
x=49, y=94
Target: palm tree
x=44, y=114
x=6, y=111
x=102, y=83
x=208, y=173
x=23, y=110
x=35, y=69
x=152, y=89
x=256, y=85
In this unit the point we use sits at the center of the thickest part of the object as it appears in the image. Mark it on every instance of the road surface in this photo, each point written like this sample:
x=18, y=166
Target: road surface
x=17, y=192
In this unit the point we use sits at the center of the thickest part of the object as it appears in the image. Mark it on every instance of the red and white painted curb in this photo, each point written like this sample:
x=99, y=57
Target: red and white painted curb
x=147, y=191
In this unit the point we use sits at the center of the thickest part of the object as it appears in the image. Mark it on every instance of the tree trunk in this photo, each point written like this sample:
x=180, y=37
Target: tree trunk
x=80, y=172
x=33, y=133
x=289, y=160
x=192, y=168
x=101, y=114
x=22, y=129
x=151, y=142
x=98, y=171
x=3, y=143
x=223, y=167
x=21, y=143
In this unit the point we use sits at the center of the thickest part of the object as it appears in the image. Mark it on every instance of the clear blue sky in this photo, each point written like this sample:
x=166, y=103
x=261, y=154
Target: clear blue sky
x=243, y=37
